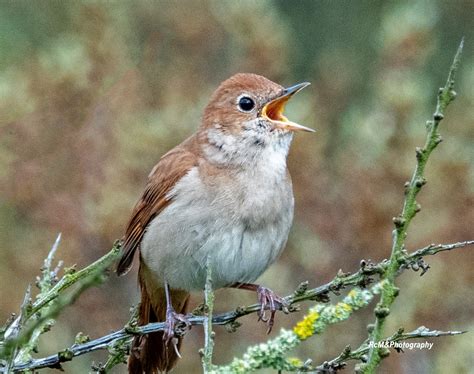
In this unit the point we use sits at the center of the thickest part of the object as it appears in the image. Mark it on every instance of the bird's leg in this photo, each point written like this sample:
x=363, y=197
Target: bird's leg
x=173, y=321
x=268, y=300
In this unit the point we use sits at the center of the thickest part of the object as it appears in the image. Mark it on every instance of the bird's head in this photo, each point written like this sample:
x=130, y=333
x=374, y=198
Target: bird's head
x=245, y=115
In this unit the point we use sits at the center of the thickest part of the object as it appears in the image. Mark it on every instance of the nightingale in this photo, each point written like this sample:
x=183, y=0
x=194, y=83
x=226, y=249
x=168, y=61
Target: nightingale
x=225, y=194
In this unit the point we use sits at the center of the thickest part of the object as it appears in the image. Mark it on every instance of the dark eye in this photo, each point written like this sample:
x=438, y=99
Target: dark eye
x=246, y=104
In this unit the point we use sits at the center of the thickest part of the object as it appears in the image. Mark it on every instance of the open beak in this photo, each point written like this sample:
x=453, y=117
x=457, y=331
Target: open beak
x=273, y=110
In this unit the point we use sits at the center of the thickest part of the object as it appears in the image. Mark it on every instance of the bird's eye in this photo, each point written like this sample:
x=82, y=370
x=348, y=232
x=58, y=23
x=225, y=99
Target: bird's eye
x=246, y=104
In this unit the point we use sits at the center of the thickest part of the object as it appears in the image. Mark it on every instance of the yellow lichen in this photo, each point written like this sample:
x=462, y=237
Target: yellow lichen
x=345, y=306
x=352, y=293
x=295, y=361
x=305, y=328
x=340, y=309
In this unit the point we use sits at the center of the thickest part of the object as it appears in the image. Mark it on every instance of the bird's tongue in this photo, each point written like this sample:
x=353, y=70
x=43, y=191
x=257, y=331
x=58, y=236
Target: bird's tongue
x=274, y=112
x=274, y=109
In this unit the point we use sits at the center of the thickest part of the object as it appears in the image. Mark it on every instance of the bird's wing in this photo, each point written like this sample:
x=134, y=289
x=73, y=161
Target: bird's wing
x=169, y=170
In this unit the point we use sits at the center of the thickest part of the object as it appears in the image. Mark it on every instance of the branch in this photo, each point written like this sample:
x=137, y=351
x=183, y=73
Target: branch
x=208, y=333
x=432, y=249
x=410, y=208
x=272, y=354
x=361, y=278
x=72, y=277
x=11, y=347
x=20, y=338
x=415, y=260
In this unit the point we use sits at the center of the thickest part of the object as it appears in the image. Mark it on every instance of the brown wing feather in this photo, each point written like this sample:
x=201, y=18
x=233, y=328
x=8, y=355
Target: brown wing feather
x=169, y=170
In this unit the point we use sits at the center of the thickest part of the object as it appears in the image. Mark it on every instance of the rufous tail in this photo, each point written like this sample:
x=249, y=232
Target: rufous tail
x=149, y=353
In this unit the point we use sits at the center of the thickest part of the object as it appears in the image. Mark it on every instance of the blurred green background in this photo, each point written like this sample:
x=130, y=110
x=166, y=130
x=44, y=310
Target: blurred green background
x=92, y=93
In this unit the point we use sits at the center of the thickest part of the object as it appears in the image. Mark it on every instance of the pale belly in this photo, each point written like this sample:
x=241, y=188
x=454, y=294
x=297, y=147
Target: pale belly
x=240, y=241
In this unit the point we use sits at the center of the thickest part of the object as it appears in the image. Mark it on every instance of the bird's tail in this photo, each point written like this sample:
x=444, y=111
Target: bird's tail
x=150, y=354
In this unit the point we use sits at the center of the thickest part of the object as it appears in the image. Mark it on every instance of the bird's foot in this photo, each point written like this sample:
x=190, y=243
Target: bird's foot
x=176, y=325
x=269, y=300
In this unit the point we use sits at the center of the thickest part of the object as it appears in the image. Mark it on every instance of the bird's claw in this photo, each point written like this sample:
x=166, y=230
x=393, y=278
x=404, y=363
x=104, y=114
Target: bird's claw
x=269, y=301
x=176, y=324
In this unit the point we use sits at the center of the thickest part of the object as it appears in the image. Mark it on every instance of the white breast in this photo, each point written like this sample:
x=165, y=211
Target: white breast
x=242, y=222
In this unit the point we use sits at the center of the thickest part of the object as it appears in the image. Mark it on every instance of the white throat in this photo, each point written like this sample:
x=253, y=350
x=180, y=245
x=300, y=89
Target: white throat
x=249, y=150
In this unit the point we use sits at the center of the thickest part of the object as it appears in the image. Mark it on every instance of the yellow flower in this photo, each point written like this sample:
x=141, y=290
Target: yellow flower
x=305, y=328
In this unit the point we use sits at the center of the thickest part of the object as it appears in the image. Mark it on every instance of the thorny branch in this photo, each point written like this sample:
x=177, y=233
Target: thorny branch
x=398, y=258
x=362, y=278
x=208, y=349
x=18, y=339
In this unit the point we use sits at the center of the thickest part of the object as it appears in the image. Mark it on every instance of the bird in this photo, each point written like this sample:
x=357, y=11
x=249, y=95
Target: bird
x=222, y=198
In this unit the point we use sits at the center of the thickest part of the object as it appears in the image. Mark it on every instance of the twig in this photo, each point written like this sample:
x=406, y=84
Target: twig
x=410, y=208
x=68, y=280
x=321, y=293
x=432, y=249
x=21, y=337
x=41, y=325
x=72, y=277
x=8, y=352
x=48, y=277
x=415, y=260
x=118, y=350
x=208, y=333
x=41, y=321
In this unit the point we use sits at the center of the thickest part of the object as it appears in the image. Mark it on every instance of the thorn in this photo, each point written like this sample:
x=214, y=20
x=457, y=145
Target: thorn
x=406, y=187
x=419, y=153
x=399, y=222
x=420, y=182
x=301, y=289
x=381, y=312
x=232, y=326
x=384, y=352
